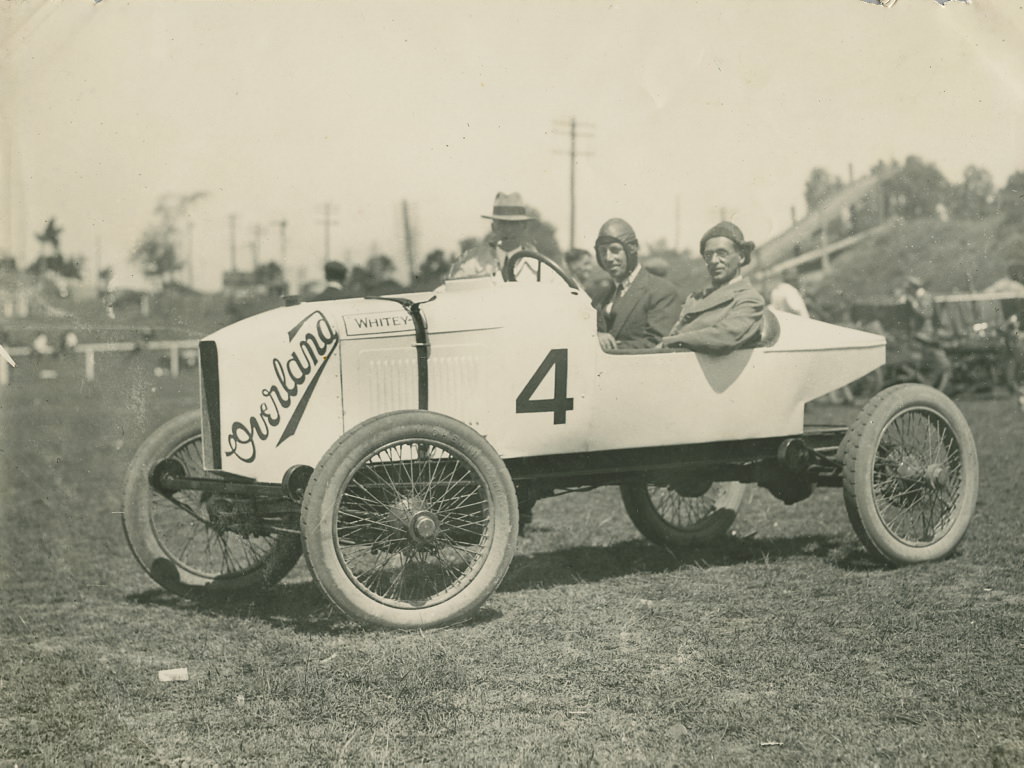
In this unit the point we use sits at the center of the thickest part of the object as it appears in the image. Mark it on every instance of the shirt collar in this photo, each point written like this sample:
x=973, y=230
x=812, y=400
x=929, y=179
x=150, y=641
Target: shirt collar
x=630, y=278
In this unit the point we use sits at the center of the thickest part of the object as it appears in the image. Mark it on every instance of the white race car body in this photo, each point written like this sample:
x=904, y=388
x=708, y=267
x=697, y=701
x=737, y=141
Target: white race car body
x=518, y=362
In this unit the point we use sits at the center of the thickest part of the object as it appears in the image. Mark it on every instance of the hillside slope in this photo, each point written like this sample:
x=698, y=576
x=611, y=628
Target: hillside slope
x=953, y=256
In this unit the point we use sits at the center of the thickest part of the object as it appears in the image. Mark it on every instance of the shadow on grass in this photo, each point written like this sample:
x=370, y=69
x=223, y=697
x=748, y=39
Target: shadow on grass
x=302, y=607
x=595, y=563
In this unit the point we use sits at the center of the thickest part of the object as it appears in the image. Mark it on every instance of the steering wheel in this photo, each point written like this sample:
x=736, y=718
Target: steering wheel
x=508, y=272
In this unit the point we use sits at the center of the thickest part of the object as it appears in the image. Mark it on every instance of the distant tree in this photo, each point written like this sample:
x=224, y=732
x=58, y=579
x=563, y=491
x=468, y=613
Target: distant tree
x=467, y=243
x=1012, y=195
x=380, y=269
x=680, y=267
x=359, y=281
x=820, y=186
x=269, y=275
x=881, y=167
x=7, y=262
x=975, y=196
x=157, y=249
x=57, y=264
x=916, y=189
x=1010, y=202
x=431, y=272
x=542, y=235
x=51, y=259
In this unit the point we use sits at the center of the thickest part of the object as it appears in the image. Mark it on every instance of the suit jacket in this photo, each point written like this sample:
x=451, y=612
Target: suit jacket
x=639, y=319
x=717, y=321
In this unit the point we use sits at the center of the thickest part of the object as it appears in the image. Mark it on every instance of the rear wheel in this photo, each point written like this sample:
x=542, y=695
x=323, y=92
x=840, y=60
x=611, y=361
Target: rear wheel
x=910, y=474
x=196, y=542
x=410, y=521
x=671, y=519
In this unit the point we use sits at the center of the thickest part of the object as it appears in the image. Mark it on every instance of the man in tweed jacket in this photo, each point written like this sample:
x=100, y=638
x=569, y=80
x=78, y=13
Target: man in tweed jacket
x=727, y=315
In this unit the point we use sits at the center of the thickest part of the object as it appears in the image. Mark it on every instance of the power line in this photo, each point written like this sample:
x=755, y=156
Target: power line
x=573, y=133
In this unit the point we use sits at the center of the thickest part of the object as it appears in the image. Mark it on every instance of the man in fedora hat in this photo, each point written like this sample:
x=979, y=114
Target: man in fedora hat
x=509, y=222
x=727, y=315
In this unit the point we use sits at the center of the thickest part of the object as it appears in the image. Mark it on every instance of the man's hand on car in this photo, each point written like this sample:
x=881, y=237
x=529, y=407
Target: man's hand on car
x=606, y=340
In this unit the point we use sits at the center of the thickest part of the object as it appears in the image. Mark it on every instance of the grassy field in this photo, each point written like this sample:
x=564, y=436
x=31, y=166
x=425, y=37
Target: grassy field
x=784, y=645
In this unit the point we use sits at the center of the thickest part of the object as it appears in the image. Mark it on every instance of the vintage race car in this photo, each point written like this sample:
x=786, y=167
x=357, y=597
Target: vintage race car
x=394, y=440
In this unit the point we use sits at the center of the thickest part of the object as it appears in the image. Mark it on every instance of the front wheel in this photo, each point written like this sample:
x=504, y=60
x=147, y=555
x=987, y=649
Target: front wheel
x=910, y=474
x=196, y=542
x=410, y=521
x=668, y=518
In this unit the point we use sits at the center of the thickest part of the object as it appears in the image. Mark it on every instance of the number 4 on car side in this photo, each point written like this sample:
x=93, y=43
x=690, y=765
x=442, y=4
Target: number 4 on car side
x=394, y=440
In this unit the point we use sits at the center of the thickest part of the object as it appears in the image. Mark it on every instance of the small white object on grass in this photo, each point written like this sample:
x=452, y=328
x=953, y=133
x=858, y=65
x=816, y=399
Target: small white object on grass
x=179, y=674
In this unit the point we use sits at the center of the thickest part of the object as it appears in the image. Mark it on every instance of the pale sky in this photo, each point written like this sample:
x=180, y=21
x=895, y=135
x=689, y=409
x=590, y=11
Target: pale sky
x=275, y=108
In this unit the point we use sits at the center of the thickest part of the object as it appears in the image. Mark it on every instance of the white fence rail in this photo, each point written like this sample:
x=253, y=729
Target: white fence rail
x=88, y=352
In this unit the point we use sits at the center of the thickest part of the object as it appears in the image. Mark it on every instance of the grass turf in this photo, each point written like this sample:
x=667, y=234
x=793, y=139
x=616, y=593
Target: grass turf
x=782, y=645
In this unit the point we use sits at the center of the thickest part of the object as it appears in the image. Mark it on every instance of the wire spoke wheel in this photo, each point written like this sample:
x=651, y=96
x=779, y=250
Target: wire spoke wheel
x=413, y=524
x=910, y=474
x=917, y=477
x=670, y=518
x=410, y=520
x=191, y=541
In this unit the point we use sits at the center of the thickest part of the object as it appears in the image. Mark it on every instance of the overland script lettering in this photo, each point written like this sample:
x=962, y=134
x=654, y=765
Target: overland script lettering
x=296, y=376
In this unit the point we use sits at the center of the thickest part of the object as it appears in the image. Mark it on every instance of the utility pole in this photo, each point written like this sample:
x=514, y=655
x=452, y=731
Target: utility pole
x=257, y=235
x=328, y=222
x=573, y=134
x=675, y=241
x=232, y=220
x=409, y=246
x=282, y=226
x=189, y=226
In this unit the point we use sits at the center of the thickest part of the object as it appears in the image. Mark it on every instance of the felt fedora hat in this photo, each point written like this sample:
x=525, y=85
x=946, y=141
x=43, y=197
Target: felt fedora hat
x=509, y=207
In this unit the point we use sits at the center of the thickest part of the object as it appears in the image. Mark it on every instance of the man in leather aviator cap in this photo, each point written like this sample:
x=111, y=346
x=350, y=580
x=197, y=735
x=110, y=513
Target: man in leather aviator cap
x=642, y=306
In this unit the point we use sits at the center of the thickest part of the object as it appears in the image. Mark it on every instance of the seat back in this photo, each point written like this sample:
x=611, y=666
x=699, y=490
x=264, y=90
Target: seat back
x=770, y=328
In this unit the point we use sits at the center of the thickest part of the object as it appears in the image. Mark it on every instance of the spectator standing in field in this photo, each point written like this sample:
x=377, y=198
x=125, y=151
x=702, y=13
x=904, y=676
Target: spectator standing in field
x=922, y=330
x=336, y=273
x=727, y=315
x=641, y=306
x=583, y=269
x=68, y=342
x=509, y=225
x=786, y=296
x=41, y=346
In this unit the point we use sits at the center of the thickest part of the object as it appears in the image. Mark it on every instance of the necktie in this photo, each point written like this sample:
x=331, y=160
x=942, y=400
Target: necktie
x=619, y=290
